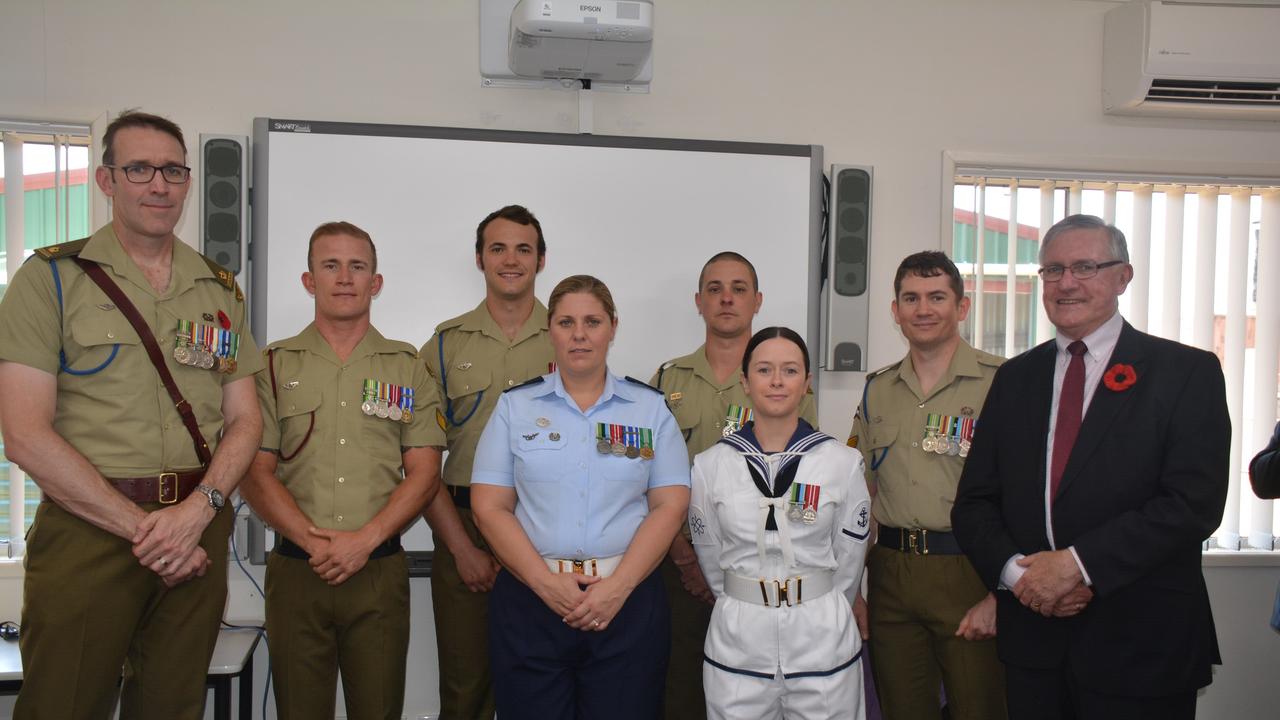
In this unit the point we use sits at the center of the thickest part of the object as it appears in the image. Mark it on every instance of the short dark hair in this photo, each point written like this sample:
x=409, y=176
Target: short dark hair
x=927, y=264
x=1115, y=238
x=735, y=257
x=517, y=214
x=770, y=333
x=341, y=227
x=137, y=119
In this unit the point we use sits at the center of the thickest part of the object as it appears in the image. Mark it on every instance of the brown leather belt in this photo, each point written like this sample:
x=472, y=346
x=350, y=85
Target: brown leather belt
x=166, y=488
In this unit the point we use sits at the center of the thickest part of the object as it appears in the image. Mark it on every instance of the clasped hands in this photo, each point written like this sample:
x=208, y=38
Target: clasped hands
x=1052, y=584
x=167, y=541
x=584, y=602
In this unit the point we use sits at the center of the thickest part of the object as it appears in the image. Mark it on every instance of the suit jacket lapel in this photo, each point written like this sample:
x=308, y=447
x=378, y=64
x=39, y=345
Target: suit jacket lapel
x=1107, y=405
x=1041, y=399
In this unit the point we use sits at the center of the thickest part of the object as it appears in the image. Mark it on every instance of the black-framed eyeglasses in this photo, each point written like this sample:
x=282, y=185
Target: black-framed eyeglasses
x=1082, y=270
x=143, y=173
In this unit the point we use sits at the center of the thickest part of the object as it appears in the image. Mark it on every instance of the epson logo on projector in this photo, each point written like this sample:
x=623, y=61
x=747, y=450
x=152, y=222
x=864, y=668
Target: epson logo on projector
x=589, y=8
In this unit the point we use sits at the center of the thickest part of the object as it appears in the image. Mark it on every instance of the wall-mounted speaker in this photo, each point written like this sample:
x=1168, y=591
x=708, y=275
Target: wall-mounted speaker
x=224, y=201
x=848, y=262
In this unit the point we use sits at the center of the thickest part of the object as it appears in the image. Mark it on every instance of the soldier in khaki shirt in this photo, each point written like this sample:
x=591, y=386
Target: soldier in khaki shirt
x=473, y=358
x=931, y=618
x=126, y=563
x=705, y=393
x=345, y=412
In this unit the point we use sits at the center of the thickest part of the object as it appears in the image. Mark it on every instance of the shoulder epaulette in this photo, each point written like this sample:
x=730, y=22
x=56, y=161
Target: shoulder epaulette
x=224, y=276
x=67, y=249
x=991, y=359
x=668, y=365
x=526, y=383
x=883, y=370
x=450, y=324
x=642, y=384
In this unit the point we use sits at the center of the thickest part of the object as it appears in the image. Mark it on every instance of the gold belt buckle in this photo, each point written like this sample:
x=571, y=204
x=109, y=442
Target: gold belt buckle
x=171, y=480
x=579, y=567
x=917, y=541
x=781, y=590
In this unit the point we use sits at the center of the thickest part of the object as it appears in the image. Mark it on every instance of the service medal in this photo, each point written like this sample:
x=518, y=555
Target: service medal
x=633, y=452
x=406, y=416
x=928, y=444
x=727, y=431
x=367, y=407
x=230, y=366
x=381, y=409
x=953, y=447
x=206, y=360
x=794, y=512
x=181, y=355
x=941, y=446
x=964, y=448
x=395, y=413
x=618, y=449
x=604, y=447
x=810, y=516
x=646, y=453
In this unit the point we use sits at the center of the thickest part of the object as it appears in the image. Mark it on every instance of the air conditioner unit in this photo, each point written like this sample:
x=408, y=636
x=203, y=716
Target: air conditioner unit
x=1192, y=59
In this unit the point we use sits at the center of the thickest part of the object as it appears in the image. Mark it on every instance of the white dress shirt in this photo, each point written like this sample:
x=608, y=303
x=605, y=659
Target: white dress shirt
x=1099, y=345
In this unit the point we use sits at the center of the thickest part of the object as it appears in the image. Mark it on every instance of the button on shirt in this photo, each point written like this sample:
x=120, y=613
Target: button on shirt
x=573, y=501
x=343, y=464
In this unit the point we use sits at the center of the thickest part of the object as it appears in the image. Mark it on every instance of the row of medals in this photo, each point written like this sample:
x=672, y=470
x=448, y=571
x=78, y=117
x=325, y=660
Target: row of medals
x=604, y=447
x=203, y=358
x=797, y=511
x=944, y=445
x=385, y=410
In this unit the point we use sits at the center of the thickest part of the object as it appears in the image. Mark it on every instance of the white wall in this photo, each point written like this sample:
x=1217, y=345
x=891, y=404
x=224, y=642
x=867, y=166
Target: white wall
x=891, y=84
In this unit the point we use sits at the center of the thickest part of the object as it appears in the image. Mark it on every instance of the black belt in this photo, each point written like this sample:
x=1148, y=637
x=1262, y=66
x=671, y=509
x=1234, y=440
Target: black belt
x=461, y=495
x=918, y=541
x=290, y=549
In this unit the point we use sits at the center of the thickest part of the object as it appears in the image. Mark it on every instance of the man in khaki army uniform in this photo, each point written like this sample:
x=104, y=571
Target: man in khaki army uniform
x=126, y=563
x=345, y=411
x=473, y=358
x=931, y=618
x=705, y=393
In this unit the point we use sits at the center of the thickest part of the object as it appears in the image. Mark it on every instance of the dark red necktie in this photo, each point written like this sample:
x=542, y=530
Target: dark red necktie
x=1070, y=412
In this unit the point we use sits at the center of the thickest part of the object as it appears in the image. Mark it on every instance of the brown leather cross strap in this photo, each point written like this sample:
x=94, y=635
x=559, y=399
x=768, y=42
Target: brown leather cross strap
x=127, y=308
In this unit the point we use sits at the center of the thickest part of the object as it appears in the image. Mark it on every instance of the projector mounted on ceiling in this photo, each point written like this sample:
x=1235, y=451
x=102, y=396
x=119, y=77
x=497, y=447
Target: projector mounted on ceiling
x=555, y=43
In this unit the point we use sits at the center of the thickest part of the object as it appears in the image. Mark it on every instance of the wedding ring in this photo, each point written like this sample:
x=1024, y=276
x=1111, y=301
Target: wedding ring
x=595, y=623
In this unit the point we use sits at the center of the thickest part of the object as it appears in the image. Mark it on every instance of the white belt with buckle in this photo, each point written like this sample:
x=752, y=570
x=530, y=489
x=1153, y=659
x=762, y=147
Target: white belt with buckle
x=591, y=567
x=772, y=592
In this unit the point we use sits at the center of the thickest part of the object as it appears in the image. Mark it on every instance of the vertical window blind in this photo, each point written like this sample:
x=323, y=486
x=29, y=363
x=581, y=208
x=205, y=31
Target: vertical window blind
x=1198, y=245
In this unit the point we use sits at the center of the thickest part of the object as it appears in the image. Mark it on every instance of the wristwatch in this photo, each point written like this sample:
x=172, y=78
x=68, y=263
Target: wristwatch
x=216, y=501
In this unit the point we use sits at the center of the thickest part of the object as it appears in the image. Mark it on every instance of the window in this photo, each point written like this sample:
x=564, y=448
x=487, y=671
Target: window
x=44, y=199
x=1198, y=246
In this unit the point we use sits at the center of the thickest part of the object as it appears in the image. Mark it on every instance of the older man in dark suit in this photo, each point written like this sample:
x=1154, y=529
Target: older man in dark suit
x=1100, y=466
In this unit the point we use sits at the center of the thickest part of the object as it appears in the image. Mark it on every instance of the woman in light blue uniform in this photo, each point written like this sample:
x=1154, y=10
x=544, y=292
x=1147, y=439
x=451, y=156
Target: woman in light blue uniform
x=580, y=483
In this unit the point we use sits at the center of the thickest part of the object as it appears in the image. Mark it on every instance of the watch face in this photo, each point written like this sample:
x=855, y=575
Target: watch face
x=215, y=497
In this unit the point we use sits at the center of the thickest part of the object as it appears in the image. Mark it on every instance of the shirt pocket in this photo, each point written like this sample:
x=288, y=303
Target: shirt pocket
x=296, y=415
x=687, y=418
x=882, y=435
x=540, y=458
x=465, y=391
x=105, y=342
x=627, y=470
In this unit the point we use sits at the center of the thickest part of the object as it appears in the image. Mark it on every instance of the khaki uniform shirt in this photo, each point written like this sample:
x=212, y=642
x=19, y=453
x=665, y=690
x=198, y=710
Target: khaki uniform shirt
x=479, y=364
x=342, y=465
x=120, y=417
x=916, y=488
x=701, y=404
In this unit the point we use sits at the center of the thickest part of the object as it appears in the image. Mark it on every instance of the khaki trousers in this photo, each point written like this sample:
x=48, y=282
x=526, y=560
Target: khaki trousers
x=462, y=636
x=684, y=698
x=916, y=603
x=89, y=609
x=360, y=627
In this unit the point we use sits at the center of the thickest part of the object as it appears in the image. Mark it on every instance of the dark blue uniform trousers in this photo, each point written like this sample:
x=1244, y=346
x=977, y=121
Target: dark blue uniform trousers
x=542, y=668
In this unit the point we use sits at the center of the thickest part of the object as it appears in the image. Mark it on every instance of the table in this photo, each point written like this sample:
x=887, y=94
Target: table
x=232, y=658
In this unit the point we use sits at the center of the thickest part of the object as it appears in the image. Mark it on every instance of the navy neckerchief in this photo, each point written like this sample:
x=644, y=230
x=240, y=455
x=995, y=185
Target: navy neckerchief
x=802, y=440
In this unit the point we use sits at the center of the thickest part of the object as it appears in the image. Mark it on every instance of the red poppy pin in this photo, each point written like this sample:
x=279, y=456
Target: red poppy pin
x=1120, y=377
x=224, y=321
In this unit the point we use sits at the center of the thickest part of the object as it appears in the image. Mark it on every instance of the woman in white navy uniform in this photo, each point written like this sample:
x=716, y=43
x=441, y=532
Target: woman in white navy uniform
x=580, y=483
x=779, y=516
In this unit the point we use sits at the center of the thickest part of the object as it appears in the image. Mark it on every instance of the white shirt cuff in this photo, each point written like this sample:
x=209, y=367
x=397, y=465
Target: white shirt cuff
x=1012, y=572
x=1084, y=573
